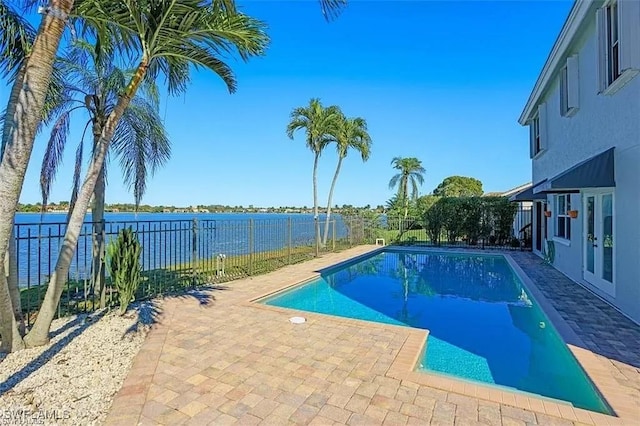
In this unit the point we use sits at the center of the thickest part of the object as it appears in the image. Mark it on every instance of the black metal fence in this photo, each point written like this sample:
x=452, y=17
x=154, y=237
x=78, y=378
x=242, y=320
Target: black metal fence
x=176, y=254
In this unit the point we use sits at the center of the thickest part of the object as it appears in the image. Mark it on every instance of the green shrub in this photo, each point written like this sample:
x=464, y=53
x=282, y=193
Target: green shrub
x=468, y=218
x=124, y=266
x=454, y=215
x=472, y=217
x=433, y=216
x=501, y=215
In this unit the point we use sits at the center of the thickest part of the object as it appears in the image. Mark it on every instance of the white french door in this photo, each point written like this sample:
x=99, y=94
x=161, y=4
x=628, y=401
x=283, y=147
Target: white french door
x=598, y=240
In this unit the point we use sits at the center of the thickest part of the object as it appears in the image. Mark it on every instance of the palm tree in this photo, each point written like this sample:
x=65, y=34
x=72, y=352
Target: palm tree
x=320, y=124
x=16, y=39
x=26, y=103
x=26, y=60
x=140, y=141
x=410, y=174
x=349, y=133
x=170, y=37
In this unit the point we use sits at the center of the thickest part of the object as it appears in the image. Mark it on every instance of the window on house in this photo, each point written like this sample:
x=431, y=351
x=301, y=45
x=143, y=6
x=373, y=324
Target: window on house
x=535, y=135
x=564, y=92
x=618, y=38
x=613, y=43
x=569, y=87
x=563, y=221
x=538, y=136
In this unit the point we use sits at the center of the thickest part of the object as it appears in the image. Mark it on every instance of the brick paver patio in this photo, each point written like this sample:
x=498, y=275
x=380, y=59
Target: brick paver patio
x=228, y=361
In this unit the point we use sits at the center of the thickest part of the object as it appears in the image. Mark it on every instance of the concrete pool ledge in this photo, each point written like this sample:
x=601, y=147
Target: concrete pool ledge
x=407, y=361
x=623, y=404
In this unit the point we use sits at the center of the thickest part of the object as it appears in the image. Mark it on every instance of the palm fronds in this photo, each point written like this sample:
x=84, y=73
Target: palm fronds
x=16, y=38
x=170, y=37
x=93, y=85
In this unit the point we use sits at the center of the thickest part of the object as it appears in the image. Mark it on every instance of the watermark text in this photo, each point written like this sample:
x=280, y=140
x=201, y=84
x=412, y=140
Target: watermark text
x=24, y=417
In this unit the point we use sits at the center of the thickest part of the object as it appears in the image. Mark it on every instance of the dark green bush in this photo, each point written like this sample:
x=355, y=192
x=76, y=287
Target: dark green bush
x=433, y=216
x=124, y=266
x=468, y=218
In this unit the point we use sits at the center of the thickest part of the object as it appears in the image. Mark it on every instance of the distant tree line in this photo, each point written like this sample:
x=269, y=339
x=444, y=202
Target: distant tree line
x=63, y=206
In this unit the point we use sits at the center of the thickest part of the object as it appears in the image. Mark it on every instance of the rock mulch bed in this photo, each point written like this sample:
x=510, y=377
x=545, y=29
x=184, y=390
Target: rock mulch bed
x=74, y=378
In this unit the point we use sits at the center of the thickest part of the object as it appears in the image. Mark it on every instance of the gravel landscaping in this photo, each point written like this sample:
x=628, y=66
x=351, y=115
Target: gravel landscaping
x=74, y=378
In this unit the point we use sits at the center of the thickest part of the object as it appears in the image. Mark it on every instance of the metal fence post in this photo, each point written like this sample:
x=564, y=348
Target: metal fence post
x=316, y=231
x=102, y=252
x=251, y=248
x=289, y=238
x=194, y=251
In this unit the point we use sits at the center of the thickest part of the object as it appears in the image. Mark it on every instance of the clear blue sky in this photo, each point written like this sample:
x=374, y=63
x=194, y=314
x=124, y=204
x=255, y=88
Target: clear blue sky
x=440, y=81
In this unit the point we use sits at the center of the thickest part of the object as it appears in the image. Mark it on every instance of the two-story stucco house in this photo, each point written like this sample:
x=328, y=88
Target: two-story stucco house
x=584, y=121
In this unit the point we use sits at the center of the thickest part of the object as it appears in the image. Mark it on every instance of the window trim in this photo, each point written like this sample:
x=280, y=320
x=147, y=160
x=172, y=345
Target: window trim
x=607, y=86
x=564, y=91
x=569, y=82
x=613, y=47
x=535, y=140
x=618, y=83
x=565, y=215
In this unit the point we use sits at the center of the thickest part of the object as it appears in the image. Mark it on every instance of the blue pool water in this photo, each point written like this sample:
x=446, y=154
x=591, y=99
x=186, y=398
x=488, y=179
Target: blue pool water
x=483, y=324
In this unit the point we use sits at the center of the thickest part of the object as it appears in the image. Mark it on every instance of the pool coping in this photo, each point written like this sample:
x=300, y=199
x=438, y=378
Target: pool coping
x=407, y=360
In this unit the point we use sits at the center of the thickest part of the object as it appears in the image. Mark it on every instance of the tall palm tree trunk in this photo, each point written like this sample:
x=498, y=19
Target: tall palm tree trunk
x=97, y=214
x=97, y=217
x=9, y=331
x=22, y=127
x=11, y=338
x=9, y=114
x=333, y=185
x=39, y=334
x=316, y=220
x=11, y=323
x=406, y=199
x=9, y=291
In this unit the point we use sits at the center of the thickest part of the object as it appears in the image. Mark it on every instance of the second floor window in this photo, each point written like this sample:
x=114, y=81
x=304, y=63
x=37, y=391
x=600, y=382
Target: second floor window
x=535, y=135
x=564, y=91
x=569, y=87
x=618, y=38
x=613, y=43
x=538, y=131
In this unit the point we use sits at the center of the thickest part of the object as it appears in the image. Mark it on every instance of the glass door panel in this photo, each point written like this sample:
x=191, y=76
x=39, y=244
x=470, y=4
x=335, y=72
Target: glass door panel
x=590, y=234
x=598, y=238
x=607, y=237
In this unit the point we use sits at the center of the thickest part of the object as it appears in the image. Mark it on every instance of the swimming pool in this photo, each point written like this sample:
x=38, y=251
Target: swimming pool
x=483, y=324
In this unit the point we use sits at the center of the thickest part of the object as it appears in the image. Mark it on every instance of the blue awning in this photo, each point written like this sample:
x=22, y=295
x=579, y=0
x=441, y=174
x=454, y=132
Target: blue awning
x=527, y=195
x=596, y=172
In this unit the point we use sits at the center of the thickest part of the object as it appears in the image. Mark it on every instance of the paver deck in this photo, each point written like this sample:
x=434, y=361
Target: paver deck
x=229, y=361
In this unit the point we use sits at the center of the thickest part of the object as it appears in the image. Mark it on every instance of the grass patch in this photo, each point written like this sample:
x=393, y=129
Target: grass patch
x=395, y=236
x=78, y=296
